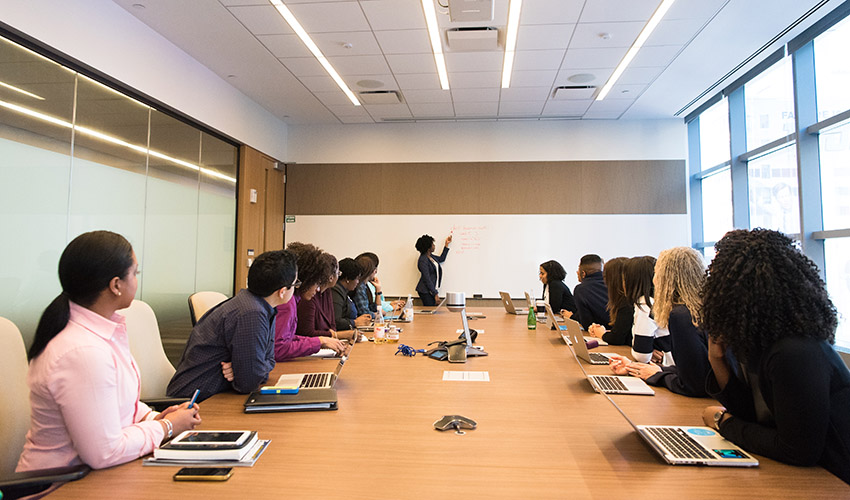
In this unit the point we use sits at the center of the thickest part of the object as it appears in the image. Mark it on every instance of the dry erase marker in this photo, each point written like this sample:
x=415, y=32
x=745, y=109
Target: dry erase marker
x=194, y=397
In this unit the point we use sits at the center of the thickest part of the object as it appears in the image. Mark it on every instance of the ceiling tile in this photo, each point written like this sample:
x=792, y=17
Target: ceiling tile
x=546, y=36
x=457, y=62
x=661, y=55
x=593, y=58
x=388, y=111
x=551, y=11
x=601, y=74
x=359, y=65
x=261, y=19
x=432, y=109
x=284, y=45
x=393, y=14
x=427, y=96
x=520, y=108
x=610, y=106
x=348, y=110
x=333, y=44
x=303, y=66
x=532, y=60
x=637, y=75
x=404, y=41
x=411, y=63
x=330, y=16
x=356, y=119
x=618, y=10
x=476, y=108
x=575, y=107
x=526, y=94
x=481, y=80
x=319, y=83
x=622, y=91
x=384, y=81
x=422, y=81
x=674, y=32
x=475, y=95
x=533, y=78
x=588, y=36
x=701, y=9
x=333, y=98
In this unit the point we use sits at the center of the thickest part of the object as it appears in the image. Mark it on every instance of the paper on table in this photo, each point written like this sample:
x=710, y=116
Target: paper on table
x=466, y=376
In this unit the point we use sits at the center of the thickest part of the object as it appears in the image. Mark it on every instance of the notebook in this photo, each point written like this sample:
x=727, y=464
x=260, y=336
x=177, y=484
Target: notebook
x=611, y=384
x=435, y=310
x=509, y=305
x=690, y=445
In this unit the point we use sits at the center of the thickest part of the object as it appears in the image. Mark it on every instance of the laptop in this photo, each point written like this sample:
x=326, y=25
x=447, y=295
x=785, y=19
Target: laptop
x=610, y=384
x=509, y=305
x=316, y=391
x=552, y=320
x=435, y=310
x=529, y=303
x=579, y=343
x=690, y=445
x=311, y=381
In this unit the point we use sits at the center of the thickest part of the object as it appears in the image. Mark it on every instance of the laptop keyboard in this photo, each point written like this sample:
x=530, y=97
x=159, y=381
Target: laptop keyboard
x=598, y=359
x=313, y=380
x=611, y=384
x=678, y=443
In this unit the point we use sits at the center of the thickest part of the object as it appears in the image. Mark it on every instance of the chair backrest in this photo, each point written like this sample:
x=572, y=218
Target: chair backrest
x=146, y=345
x=201, y=302
x=14, y=398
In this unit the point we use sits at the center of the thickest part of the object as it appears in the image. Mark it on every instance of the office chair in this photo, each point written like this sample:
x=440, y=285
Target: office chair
x=15, y=415
x=146, y=345
x=201, y=302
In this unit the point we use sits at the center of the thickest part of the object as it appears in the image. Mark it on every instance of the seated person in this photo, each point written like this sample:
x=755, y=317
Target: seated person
x=771, y=328
x=84, y=385
x=239, y=331
x=345, y=314
x=363, y=297
x=555, y=292
x=591, y=294
x=316, y=316
x=287, y=344
x=679, y=277
x=620, y=311
x=376, y=291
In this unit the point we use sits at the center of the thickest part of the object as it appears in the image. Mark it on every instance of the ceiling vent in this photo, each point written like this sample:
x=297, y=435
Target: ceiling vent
x=465, y=11
x=380, y=97
x=574, y=92
x=472, y=39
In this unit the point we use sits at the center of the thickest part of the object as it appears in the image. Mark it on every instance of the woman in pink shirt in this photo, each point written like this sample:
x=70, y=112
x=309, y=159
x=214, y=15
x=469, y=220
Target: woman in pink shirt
x=84, y=383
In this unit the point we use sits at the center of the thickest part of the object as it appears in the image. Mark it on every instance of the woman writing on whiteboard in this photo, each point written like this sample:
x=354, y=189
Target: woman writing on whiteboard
x=430, y=269
x=555, y=292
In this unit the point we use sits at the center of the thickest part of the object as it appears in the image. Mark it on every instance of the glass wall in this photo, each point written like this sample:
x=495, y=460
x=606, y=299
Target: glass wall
x=78, y=156
x=773, y=192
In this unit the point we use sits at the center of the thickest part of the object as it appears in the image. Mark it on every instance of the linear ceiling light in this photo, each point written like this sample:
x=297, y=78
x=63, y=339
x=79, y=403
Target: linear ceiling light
x=112, y=140
x=641, y=39
x=510, y=42
x=284, y=11
x=21, y=91
x=436, y=43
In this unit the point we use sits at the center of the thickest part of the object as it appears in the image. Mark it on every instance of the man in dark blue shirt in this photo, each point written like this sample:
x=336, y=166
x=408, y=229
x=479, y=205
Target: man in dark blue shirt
x=591, y=294
x=238, y=332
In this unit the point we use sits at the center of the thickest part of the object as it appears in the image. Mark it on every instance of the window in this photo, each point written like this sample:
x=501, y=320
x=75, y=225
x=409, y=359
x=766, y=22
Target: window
x=833, y=76
x=835, y=176
x=714, y=135
x=716, y=205
x=769, y=103
x=773, y=194
x=838, y=285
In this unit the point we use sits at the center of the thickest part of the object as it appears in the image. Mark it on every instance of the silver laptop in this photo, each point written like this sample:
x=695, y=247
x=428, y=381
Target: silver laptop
x=690, y=445
x=435, y=310
x=578, y=342
x=307, y=381
x=509, y=305
x=610, y=384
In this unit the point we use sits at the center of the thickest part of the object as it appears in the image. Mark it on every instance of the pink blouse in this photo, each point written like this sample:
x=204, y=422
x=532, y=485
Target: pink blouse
x=84, y=398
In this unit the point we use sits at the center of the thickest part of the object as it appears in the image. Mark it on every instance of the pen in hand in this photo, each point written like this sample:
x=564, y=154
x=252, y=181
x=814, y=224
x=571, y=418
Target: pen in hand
x=194, y=397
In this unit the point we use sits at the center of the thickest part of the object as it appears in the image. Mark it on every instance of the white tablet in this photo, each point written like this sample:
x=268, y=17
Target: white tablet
x=210, y=440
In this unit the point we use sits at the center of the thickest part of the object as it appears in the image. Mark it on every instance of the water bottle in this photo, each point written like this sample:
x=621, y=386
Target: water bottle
x=407, y=310
x=532, y=319
x=380, y=328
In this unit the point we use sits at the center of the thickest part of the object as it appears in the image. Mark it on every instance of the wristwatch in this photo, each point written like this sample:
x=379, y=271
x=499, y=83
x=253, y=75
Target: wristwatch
x=718, y=417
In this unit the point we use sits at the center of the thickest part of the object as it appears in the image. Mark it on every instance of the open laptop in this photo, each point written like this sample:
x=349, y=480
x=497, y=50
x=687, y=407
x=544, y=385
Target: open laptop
x=311, y=381
x=316, y=391
x=610, y=384
x=578, y=342
x=690, y=445
x=509, y=305
x=435, y=310
x=552, y=323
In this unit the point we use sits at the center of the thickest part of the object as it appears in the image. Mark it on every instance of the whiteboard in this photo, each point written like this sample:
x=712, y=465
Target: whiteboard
x=488, y=253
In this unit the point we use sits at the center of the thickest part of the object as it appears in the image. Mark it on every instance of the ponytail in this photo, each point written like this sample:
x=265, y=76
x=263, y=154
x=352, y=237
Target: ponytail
x=53, y=320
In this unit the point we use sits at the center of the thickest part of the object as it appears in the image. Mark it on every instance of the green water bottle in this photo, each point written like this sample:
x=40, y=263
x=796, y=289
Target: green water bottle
x=532, y=319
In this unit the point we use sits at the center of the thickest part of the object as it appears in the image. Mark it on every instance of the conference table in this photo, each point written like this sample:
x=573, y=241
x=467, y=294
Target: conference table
x=542, y=433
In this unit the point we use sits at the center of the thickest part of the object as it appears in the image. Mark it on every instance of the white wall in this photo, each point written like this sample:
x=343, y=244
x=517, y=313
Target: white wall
x=104, y=36
x=489, y=141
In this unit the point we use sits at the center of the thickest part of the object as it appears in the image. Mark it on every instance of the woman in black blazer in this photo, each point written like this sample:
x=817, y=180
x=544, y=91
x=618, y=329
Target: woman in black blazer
x=430, y=269
x=555, y=292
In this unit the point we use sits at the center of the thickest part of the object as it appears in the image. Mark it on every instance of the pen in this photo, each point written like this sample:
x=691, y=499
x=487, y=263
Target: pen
x=194, y=397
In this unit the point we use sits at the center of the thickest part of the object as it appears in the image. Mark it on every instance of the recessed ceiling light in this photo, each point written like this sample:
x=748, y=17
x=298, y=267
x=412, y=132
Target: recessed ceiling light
x=582, y=78
x=370, y=84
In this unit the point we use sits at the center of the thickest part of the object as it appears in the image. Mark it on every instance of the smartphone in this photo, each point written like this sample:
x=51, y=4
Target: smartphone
x=203, y=474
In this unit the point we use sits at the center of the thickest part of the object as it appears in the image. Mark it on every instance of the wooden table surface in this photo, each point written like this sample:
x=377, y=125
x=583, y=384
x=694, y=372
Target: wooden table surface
x=542, y=433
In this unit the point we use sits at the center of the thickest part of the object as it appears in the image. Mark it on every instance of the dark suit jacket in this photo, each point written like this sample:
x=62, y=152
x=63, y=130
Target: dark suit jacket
x=560, y=297
x=430, y=278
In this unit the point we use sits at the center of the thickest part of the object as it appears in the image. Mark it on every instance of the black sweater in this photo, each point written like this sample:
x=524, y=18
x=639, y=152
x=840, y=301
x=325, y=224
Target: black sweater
x=621, y=330
x=690, y=352
x=560, y=297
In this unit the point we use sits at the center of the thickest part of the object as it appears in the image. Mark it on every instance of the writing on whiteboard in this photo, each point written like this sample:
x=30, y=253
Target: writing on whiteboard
x=467, y=239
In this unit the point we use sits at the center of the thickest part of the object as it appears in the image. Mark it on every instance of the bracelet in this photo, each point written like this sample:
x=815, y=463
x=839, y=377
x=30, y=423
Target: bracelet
x=379, y=293
x=170, y=428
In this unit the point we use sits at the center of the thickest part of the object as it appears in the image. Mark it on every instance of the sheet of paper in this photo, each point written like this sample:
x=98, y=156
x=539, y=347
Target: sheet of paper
x=466, y=376
x=479, y=330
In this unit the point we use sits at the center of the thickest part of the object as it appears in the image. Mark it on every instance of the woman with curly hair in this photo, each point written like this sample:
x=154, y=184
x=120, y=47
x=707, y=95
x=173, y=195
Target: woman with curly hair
x=620, y=311
x=771, y=327
x=678, y=280
x=430, y=268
